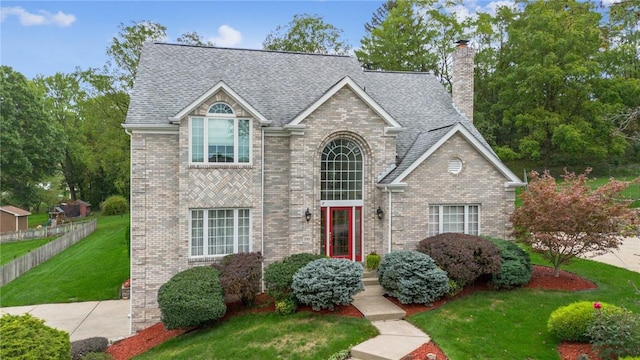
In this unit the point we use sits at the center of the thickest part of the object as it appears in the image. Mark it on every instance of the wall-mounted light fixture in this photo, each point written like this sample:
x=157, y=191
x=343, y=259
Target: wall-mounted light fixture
x=307, y=215
x=379, y=212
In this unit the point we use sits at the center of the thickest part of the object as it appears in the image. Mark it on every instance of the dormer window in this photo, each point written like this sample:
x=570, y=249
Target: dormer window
x=220, y=137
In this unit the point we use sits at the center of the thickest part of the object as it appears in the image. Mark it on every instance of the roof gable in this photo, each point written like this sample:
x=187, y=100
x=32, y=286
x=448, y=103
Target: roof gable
x=14, y=210
x=486, y=152
x=220, y=86
x=394, y=126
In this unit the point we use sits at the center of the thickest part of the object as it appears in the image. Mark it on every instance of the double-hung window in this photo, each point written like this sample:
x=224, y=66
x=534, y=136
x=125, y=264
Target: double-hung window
x=219, y=232
x=220, y=137
x=454, y=218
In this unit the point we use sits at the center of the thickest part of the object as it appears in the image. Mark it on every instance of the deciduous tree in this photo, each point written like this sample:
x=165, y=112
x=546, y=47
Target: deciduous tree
x=570, y=219
x=309, y=34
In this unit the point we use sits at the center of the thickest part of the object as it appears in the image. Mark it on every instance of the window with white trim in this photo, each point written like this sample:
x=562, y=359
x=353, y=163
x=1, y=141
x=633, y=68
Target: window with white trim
x=220, y=137
x=454, y=218
x=219, y=232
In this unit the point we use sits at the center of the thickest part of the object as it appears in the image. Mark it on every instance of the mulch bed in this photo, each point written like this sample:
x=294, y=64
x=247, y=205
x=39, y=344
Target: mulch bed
x=542, y=278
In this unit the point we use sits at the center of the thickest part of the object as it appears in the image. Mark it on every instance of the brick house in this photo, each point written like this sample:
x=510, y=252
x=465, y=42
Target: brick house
x=238, y=150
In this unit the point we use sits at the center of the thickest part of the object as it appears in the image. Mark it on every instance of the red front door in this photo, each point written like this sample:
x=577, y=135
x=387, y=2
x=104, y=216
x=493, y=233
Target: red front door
x=341, y=232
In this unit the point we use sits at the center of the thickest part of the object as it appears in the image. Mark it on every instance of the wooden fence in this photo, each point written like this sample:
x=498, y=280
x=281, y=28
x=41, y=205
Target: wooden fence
x=26, y=262
x=41, y=233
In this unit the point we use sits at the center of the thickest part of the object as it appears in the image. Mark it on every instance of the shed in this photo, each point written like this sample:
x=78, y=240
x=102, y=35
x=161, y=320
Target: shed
x=76, y=208
x=56, y=216
x=13, y=218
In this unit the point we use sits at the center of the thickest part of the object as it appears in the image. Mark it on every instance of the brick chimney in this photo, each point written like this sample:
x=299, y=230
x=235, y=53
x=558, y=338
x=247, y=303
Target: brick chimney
x=462, y=79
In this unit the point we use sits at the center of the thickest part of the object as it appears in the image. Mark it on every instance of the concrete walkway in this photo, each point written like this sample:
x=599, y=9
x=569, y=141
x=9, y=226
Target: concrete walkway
x=82, y=320
x=397, y=337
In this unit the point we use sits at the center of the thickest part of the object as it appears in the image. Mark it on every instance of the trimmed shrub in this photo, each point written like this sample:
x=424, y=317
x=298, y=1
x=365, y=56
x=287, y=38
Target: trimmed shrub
x=287, y=306
x=80, y=348
x=570, y=323
x=240, y=276
x=115, y=205
x=615, y=334
x=191, y=297
x=515, y=269
x=324, y=283
x=278, y=276
x=464, y=257
x=412, y=277
x=27, y=338
x=373, y=261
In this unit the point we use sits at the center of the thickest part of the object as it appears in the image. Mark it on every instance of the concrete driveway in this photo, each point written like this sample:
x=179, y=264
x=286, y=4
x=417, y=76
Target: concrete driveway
x=628, y=256
x=82, y=320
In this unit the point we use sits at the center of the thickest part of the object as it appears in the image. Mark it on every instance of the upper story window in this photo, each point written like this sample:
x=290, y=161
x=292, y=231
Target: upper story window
x=220, y=137
x=341, y=172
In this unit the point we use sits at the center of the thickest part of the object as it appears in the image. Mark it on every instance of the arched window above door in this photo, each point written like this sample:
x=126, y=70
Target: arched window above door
x=341, y=172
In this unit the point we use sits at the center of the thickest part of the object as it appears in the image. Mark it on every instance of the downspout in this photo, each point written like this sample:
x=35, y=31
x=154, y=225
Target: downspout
x=389, y=220
x=262, y=204
x=126, y=131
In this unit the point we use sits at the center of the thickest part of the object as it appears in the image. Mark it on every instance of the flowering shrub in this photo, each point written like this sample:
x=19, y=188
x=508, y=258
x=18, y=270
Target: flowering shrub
x=412, y=277
x=615, y=334
x=463, y=257
x=324, y=283
x=570, y=323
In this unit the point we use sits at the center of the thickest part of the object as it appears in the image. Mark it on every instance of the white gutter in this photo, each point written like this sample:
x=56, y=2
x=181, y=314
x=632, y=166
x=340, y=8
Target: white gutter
x=262, y=202
x=389, y=221
x=126, y=131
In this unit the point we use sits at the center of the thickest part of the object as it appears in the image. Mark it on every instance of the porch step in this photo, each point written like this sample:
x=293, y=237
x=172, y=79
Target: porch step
x=375, y=307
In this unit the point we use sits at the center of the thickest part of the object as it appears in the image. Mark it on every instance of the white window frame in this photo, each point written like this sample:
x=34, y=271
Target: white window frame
x=205, y=130
x=466, y=219
x=205, y=228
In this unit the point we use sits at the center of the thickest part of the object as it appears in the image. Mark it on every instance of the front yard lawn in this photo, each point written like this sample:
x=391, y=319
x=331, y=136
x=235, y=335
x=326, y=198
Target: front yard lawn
x=268, y=336
x=513, y=324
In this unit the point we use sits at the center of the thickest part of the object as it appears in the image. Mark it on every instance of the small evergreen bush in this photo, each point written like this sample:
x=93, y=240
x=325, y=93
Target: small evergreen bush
x=324, y=283
x=240, y=276
x=464, y=257
x=24, y=337
x=412, y=277
x=373, y=261
x=191, y=297
x=80, y=348
x=615, y=334
x=278, y=276
x=515, y=269
x=570, y=323
x=115, y=205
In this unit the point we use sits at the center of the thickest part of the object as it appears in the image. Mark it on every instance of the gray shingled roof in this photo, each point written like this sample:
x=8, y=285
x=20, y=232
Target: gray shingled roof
x=280, y=85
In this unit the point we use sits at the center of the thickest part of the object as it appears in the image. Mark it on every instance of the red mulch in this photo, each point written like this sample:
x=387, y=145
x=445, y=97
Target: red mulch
x=542, y=279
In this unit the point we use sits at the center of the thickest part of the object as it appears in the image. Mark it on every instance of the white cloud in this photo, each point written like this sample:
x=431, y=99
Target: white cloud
x=34, y=19
x=227, y=37
x=493, y=6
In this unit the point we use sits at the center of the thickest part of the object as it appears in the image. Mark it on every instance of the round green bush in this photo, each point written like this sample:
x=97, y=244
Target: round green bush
x=516, y=268
x=27, y=338
x=80, y=348
x=412, y=277
x=191, y=297
x=278, y=276
x=287, y=306
x=570, y=323
x=115, y=205
x=324, y=283
x=464, y=257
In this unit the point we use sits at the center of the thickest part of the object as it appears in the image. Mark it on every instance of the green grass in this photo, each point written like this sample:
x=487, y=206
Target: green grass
x=632, y=192
x=268, y=336
x=515, y=320
x=12, y=250
x=92, y=269
x=38, y=219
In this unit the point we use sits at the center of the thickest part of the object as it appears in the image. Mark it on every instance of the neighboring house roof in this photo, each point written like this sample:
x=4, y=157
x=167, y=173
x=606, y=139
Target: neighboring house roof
x=14, y=210
x=283, y=87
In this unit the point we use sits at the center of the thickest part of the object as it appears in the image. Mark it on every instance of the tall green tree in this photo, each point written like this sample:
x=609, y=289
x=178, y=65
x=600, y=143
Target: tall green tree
x=64, y=100
x=547, y=95
x=30, y=142
x=309, y=34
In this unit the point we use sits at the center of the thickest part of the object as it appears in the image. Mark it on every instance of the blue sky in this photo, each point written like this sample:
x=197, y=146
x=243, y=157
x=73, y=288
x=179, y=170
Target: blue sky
x=45, y=37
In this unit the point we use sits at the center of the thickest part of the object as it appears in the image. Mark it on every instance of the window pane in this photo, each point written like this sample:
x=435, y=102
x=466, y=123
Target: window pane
x=220, y=137
x=243, y=141
x=453, y=219
x=473, y=220
x=341, y=171
x=434, y=220
x=357, y=231
x=197, y=232
x=197, y=140
x=243, y=230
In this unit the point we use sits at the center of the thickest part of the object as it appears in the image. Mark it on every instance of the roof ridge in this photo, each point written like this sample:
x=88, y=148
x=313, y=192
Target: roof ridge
x=397, y=72
x=253, y=50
